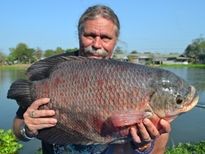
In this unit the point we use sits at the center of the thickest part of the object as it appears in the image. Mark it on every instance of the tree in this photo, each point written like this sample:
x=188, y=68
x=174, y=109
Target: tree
x=59, y=50
x=134, y=52
x=49, y=52
x=71, y=50
x=2, y=58
x=21, y=54
x=37, y=54
x=196, y=50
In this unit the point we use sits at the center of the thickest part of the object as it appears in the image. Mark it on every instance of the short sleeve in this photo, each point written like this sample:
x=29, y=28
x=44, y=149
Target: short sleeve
x=20, y=112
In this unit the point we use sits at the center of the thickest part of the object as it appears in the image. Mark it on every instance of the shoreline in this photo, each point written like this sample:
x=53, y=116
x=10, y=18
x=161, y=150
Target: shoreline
x=15, y=67
x=25, y=66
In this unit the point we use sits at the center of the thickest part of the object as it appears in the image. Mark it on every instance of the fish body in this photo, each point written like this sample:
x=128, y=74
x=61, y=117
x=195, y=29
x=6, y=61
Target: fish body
x=97, y=101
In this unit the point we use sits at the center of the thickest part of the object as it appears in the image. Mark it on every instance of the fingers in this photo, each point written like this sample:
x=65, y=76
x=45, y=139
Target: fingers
x=40, y=123
x=35, y=105
x=151, y=129
x=140, y=133
x=166, y=127
x=134, y=134
x=144, y=132
x=40, y=113
x=38, y=119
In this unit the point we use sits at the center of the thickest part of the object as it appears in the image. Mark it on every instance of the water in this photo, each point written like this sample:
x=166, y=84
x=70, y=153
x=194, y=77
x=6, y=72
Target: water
x=186, y=128
x=9, y=107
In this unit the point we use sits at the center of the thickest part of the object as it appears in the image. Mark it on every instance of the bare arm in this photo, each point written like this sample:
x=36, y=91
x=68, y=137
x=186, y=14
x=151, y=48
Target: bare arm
x=161, y=141
x=17, y=123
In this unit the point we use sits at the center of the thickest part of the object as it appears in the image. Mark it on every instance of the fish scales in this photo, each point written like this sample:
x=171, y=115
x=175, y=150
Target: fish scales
x=89, y=93
x=97, y=101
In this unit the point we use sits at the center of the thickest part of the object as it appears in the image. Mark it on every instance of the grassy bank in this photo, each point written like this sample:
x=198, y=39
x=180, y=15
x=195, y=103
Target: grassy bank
x=183, y=65
x=14, y=67
x=187, y=148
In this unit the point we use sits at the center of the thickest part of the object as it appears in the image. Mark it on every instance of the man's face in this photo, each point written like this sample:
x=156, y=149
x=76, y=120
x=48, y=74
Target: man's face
x=98, y=38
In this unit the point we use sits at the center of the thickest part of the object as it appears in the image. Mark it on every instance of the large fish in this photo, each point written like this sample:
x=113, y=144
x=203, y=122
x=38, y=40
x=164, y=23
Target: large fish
x=97, y=101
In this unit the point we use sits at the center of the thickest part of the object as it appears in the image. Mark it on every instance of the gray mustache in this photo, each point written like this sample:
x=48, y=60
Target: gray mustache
x=99, y=52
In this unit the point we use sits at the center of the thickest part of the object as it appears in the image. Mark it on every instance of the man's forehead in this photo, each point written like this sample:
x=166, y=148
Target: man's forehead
x=99, y=26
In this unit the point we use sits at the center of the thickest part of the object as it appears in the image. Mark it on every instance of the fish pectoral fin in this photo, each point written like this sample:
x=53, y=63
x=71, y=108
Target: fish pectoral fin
x=126, y=119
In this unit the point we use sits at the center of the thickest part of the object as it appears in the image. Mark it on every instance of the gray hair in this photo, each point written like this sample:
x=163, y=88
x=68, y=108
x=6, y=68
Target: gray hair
x=98, y=11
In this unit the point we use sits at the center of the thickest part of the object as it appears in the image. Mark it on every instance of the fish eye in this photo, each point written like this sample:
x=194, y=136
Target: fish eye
x=179, y=100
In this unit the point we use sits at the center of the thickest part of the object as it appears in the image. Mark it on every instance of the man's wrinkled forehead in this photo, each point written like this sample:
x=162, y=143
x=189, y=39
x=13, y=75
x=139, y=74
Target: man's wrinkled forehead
x=100, y=26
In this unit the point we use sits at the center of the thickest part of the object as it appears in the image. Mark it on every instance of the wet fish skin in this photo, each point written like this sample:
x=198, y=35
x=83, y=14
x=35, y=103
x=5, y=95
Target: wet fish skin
x=96, y=101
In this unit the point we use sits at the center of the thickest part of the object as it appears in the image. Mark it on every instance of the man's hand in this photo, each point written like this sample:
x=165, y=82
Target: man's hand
x=144, y=132
x=36, y=119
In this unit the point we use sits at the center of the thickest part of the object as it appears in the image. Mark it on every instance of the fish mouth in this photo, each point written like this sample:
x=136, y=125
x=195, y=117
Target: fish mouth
x=194, y=100
x=191, y=103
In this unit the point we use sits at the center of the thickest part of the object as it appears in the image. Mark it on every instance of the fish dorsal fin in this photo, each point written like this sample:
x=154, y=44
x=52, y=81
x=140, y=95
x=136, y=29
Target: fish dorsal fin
x=42, y=69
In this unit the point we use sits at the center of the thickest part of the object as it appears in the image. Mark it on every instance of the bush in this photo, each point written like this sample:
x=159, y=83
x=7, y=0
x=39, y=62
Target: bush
x=187, y=148
x=8, y=142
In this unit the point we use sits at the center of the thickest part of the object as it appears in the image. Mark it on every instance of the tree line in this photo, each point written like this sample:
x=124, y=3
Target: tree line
x=196, y=51
x=22, y=54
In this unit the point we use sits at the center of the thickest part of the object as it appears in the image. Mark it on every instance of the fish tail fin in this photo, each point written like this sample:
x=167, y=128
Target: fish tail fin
x=20, y=90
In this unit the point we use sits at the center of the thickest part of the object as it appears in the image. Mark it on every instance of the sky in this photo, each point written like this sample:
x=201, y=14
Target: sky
x=164, y=26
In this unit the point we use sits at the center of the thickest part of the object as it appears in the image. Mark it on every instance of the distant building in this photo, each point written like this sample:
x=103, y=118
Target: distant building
x=121, y=57
x=175, y=59
x=141, y=58
x=152, y=58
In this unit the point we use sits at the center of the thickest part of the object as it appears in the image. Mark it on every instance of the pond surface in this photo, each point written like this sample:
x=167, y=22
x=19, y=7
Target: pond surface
x=189, y=127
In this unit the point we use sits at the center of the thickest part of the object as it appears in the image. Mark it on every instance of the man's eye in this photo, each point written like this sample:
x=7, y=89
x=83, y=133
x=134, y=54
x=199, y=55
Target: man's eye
x=106, y=39
x=89, y=36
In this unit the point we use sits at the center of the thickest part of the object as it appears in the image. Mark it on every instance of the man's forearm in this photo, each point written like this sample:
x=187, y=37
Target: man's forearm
x=160, y=144
x=19, y=130
x=16, y=127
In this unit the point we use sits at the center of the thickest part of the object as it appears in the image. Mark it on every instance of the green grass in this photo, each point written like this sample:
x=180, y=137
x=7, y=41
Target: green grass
x=184, y=65
x=187, y=148
x=14, y=67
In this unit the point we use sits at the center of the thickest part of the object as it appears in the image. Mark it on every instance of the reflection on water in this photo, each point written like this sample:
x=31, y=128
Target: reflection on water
x=187, y=127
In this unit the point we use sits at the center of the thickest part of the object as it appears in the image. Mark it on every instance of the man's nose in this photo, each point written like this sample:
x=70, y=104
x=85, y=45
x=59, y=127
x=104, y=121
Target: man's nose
x=97, y=43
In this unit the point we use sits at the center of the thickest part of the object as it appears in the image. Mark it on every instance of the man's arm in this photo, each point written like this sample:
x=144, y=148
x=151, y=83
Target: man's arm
x=17, y=123
x=160, y=144
x=162, y=140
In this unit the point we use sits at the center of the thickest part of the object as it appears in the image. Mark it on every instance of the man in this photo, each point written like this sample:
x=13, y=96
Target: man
x=98, y=31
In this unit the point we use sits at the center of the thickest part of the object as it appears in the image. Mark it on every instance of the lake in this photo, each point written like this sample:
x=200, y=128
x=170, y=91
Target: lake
x=189, y=127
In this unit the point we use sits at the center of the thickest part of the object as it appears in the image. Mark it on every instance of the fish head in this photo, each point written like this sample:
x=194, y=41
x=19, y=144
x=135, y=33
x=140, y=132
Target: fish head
x=171, y=95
